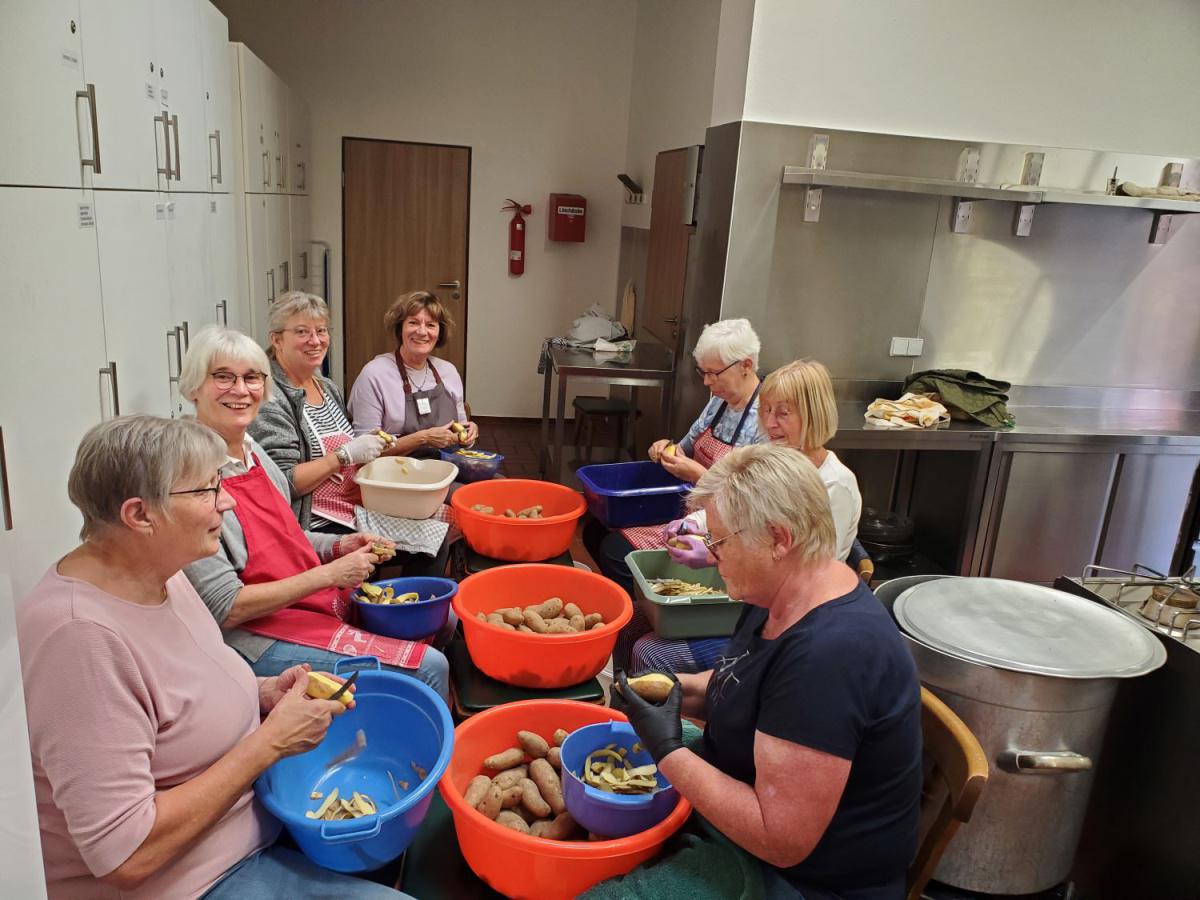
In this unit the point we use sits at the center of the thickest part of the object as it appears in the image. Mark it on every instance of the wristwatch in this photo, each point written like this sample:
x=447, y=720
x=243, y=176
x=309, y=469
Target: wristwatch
x=342, y=456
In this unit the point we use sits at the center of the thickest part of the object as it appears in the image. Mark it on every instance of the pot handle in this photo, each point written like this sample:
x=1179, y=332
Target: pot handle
x=1043, y=762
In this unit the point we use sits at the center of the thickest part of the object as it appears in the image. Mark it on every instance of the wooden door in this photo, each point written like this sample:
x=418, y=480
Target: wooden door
x=405, y=218
x=667, y=249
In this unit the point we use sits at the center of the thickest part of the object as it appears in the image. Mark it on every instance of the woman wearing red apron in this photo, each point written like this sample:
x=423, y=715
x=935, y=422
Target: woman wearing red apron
x=280, y=594
x=726, y=357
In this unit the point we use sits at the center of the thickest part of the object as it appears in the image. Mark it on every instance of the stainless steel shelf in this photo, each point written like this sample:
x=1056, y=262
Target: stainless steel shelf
x=905, y=184
x=1095, y=198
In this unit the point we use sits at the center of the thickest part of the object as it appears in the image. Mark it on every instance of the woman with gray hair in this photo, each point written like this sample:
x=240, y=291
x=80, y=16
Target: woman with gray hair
x=304, y=427
x=280, y=594
x=146, y=731
x=812, y=747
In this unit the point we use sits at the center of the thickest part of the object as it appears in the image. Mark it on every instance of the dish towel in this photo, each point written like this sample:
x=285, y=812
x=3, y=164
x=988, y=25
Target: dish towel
x=411, y=535
x=910, y=411
x=973, y=395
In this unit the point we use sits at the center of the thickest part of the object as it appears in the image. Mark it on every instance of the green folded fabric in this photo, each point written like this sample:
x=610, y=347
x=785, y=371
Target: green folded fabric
x=983, y=399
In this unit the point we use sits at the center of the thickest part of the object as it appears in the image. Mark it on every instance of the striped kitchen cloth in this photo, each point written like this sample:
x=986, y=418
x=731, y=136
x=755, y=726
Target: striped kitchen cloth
x=411, y=535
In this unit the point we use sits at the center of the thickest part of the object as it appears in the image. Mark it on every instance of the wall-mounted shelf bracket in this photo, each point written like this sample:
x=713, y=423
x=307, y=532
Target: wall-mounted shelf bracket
x=1031, y=174
x=818, y=154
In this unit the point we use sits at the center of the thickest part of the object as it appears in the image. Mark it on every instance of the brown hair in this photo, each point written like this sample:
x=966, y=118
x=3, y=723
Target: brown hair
x=806, y=386
x=409, y=305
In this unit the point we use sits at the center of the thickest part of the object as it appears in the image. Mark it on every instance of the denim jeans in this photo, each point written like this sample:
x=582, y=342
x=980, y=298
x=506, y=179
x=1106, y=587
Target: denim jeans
x=280, y=872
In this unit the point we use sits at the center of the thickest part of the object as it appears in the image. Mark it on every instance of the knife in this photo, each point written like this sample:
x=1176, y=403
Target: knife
x=337, y=695
x=360, y=742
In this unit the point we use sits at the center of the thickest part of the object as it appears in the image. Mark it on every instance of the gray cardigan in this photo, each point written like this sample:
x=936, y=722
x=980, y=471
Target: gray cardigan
x=283, y=432
x=217, y=578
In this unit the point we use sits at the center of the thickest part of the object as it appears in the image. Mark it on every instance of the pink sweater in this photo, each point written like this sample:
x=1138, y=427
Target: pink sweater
x=123, y=701
x=377, y=399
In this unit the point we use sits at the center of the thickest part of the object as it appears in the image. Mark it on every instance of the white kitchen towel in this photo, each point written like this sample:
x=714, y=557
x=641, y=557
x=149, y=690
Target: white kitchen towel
x=910, y=411
x=411, y=535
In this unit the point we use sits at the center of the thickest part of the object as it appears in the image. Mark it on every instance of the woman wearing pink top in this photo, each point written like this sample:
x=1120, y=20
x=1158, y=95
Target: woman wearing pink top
x=147, y=732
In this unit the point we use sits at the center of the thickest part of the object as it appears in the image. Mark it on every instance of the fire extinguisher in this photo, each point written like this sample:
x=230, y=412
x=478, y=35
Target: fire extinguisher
x=516, y=236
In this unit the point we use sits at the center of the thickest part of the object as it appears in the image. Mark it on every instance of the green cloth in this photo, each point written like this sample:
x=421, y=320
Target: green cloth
x=697, y=863
x=983, y=399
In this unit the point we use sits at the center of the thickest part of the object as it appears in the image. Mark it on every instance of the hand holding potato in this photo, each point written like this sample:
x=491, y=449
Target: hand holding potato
x=439, y=437
x=657, y=448
x=658, y=725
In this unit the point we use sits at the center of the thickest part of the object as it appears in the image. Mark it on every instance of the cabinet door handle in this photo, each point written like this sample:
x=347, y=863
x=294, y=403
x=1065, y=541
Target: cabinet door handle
x=90, y=96
x=279, y=172
x=7, y=506
x=286, y=267
x=186, y=343
x=174, y=372
x=111, y=371
x=219, y=177
x=175, y=125
x=303, y=185
x=165, y=169
x=271, y=290
x=304, y=259
x=223, y=312
x=266, y=158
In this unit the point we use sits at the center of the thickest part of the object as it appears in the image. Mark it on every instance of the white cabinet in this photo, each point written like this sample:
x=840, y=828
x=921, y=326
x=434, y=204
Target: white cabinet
x=178, y=51
x=51, y=354
x=254, y=99
x=192, y=303
x=299, y=128
x=47, y=127
x=277, y=126
x=131, y=226
x=301, y=236
x=218, y=97
x=227, y=292
x=268, y=240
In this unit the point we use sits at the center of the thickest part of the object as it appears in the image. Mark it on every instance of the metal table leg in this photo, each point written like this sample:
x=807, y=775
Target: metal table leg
x=559, y=416
x=545, y=448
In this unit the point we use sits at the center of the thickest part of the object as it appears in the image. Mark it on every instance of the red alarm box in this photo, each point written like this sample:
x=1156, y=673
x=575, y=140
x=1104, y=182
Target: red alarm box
x=567, y=220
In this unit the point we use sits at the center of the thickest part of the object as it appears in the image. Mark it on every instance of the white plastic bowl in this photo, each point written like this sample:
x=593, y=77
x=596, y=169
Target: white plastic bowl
x=405, y=487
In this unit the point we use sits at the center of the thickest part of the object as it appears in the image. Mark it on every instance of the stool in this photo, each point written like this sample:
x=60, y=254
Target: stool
x=590, y=410
x=472, y=692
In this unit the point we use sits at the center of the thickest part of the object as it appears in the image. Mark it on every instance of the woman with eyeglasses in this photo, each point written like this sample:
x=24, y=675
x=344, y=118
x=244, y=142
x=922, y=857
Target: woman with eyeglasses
x=146, y=731
x=796, y=409
x=304, y=427
x=726, y=356
x=280, y=594
x=810, y=760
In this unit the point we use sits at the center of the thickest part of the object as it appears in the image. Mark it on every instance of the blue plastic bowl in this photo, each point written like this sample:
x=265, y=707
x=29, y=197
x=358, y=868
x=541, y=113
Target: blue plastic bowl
x=409, y=621
x=611, y=815
x=405, y=722
x=622, y=495
x=472, y=468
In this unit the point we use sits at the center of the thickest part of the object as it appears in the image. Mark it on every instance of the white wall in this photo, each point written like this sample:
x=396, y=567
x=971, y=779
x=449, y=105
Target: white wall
x=539, y=90
x=671, y=94
x=1096, y=74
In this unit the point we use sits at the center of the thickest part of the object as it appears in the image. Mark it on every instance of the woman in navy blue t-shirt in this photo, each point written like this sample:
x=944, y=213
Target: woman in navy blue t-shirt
x=811, y=757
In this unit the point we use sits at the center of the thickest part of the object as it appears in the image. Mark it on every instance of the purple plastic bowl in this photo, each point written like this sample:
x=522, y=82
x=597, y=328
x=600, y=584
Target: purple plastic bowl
x=611, y=815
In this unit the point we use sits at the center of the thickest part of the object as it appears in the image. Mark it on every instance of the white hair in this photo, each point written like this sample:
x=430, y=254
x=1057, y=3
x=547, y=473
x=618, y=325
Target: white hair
x=730, y=340
x=760, y=485
x=218, y=342
x=138, y=456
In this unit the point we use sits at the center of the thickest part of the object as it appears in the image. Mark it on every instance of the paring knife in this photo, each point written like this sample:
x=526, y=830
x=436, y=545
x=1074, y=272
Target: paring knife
x=337, y=695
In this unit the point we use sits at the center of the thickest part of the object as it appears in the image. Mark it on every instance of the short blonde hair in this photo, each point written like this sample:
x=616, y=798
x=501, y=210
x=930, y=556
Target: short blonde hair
x=805, y=385
x=409, y=305
x=214, y=342
x=730, y=341
x=760, y=485
x=295, y=303
x=138, y=456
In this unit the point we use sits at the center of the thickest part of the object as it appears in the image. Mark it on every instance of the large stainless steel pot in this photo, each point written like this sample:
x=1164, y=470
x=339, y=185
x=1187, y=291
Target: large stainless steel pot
x=1042, y=733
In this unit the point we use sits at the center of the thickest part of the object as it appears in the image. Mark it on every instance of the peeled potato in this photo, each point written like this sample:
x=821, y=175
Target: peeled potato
x=669, y=450
x=652, y=687
x=322, y=687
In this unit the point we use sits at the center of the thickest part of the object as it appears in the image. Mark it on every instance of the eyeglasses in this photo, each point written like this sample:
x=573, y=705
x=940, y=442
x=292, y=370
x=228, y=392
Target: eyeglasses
x=215, y=491
x=711, y=545
x=226, y=380
x=703, y=374
x=304, y=334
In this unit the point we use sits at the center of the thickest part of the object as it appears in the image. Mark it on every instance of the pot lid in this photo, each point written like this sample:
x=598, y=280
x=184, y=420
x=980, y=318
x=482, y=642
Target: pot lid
x=1027, y=628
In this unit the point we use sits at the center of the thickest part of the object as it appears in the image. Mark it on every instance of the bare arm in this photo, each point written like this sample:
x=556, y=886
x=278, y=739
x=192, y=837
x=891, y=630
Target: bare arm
x=783, y=816
x=695, y=691
x=255, y=600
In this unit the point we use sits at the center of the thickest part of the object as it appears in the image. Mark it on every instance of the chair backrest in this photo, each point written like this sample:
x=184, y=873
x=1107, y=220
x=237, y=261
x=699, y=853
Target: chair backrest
x=956, y=772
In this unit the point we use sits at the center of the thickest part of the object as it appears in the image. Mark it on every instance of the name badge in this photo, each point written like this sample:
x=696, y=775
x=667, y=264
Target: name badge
x=423, y=406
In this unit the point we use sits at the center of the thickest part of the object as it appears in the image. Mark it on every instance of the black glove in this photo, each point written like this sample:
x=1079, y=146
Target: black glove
x=658, y=726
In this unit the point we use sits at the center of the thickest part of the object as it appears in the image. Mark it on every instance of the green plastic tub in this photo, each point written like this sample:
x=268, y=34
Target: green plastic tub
x=703, y=615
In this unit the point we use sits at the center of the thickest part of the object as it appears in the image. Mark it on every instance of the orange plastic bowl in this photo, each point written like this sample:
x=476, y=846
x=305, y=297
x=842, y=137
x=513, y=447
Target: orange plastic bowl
x=518, y=540
x=519, y=865
x=540, y=660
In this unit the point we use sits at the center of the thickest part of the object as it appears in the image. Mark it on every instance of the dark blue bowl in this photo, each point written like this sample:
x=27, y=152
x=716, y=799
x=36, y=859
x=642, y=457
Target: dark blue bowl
x=409, y=621
x=611, y=815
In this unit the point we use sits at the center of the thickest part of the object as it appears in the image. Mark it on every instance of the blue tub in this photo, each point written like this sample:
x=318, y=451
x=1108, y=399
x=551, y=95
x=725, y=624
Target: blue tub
x=622, y=495
x=409, y=621
x=611, y=815
x=405, y=722
x=473, y=468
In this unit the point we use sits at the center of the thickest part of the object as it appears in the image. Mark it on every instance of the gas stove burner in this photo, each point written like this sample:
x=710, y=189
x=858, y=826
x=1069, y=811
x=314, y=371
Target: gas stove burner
x=1168, y=605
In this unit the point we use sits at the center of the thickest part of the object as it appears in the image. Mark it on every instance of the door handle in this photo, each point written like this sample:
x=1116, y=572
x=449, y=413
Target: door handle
x=266, y=158
x=223, y=312
x=303, y=185
x=279, y=171
x=286, y=267
x=672, y=320
x=450, y=284
x=173, y=374
x=165, y=169
x=175, y=125
x=218, y=178
x=186, y=343
x=7, y=507
x=304, y=259
x=271, y=291
x=111, y=371
x=94, y=162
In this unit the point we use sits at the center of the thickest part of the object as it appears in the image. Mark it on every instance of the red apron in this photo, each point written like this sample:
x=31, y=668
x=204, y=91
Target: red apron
x=276, y=548
x=707, y=449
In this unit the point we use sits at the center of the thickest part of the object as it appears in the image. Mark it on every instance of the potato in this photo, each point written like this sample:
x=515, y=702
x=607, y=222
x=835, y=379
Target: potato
x=322, y=687
x=477, y=790
x=547, y=609
x=561, y=829
x=548, y=783
x=538, y=828
x=570, y=610
x=509, y=777
x=506, y=759
x=492, y=801
x=533, y=744
x=554, y=757
x=560, y=735
x=591, y=620
x=532, y=799
x=559, y=626
x=510, y=819
x=652, y=687
x=576, y=623
x=512, y=615
x=595, y=625
x=481, y=617
x=535, y=622
x=512, y=796
x=494, y=619
x=526, y=629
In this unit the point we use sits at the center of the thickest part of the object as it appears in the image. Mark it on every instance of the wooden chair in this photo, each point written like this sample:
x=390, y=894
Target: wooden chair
x=956, y=771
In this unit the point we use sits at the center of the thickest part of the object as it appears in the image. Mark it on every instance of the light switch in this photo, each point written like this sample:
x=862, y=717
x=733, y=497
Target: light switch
x=916, y=346
x=899, y=347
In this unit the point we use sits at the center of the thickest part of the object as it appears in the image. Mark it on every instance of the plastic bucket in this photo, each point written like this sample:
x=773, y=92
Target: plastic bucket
x=518, y=540
x=622, y=495
x=410, y=621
